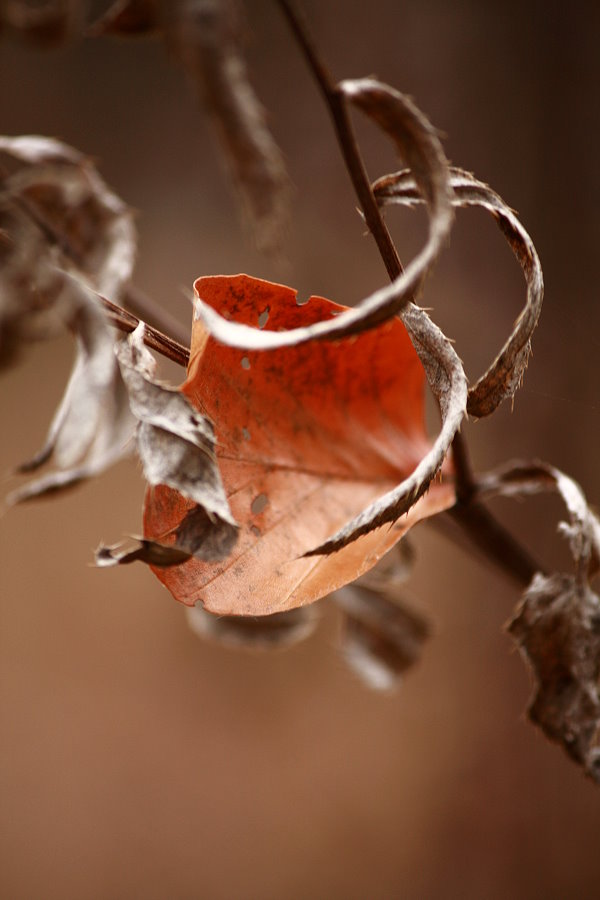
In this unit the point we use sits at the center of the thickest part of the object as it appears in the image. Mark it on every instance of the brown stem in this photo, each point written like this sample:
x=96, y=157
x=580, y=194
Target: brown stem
x=156, y=340
x=336, y=104
x=484, y=531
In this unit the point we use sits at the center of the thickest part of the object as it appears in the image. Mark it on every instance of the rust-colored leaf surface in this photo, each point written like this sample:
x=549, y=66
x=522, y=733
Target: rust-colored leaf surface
x=307, y=436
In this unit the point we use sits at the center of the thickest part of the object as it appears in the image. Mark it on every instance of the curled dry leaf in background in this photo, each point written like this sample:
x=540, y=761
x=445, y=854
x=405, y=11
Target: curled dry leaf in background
x=55, y=211
x=63, y=232
x=506, y=372
x=205, y=35
x=306, y=437
x=93, y=425
x=382, y=636
x=176, y=446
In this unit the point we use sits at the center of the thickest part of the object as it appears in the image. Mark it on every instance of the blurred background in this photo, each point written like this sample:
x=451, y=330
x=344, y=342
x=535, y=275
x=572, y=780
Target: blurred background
x=137, y=760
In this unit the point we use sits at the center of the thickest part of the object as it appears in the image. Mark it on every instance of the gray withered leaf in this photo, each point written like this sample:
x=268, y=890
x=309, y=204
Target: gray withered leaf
x=176, y=446
x=55, y=213
x=505, y=374
x=93, y=425
x=206, y=37
x=557, y=624
x=557, y=629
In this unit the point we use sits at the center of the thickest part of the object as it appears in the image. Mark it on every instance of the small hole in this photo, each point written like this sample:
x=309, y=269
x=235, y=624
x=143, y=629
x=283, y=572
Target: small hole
x=259, y=503
x=245, y=362
x=255, y=531
x=245, y=434
x=263, y=318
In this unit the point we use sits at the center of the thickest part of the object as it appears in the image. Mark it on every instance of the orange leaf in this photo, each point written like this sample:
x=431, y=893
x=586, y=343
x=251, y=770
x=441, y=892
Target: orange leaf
x=307, y=436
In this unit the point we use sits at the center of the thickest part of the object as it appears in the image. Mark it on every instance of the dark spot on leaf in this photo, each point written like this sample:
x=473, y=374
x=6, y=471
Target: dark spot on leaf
x=259, y=503
x=245, y=434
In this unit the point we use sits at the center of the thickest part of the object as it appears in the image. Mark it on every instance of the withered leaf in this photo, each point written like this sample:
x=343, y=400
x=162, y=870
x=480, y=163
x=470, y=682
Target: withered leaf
x=505, y=374
x=93, y=426
x=557, y=629
x=306, y=437
x=176, y=446
x=205, y=35
x=557, y=624
x=55, y=213
x=383, y=637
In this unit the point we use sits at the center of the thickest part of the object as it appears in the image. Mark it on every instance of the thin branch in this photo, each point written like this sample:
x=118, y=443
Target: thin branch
x=484, y=531
x=337, y=107
x=156, y=340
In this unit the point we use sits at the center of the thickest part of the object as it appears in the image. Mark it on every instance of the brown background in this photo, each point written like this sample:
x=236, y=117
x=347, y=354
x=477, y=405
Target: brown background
x=139, y=761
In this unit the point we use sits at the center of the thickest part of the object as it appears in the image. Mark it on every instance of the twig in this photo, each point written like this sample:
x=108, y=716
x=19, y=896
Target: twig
x=156, y=340
x=484, y=531
x=336, y=105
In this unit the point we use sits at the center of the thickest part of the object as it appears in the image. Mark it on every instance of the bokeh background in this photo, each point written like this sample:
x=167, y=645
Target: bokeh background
x=138, y=761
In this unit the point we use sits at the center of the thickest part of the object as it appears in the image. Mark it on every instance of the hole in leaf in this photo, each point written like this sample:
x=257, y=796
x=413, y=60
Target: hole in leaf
x=259, y=503
x=255, y=530
x=245, y=434
x=263, y=318
x=245, y=362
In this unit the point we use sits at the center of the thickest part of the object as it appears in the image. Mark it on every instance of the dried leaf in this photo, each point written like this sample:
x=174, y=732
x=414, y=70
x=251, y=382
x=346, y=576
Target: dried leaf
x=206, y=36
x=55, y=213
x=505, y=374
x=557, y=625
x=93, y=425
x=382, y=636
x=263, y=633
x=306, y=437
x=176, y=446
x=557, y=629
x=418, y=143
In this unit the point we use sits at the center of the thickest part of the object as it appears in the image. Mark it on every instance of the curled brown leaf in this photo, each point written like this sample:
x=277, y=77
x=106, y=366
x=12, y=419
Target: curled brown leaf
x=505, y=374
